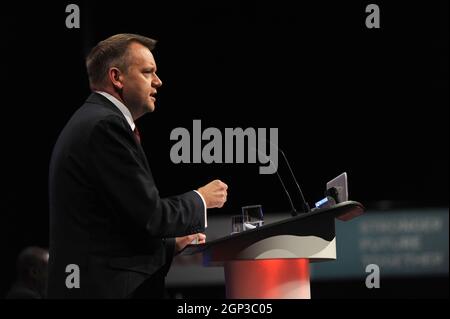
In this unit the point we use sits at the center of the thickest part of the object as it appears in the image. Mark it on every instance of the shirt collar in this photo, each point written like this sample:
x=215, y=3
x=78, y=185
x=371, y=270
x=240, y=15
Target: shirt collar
x=125, y=111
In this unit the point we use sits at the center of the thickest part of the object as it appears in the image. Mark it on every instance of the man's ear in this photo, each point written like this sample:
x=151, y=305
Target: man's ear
x=115, y=76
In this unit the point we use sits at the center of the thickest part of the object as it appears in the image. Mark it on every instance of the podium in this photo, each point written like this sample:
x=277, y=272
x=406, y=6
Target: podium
x=272, y=261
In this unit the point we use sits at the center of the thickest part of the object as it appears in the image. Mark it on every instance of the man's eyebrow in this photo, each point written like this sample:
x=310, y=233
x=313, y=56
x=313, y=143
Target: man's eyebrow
x=149, y=69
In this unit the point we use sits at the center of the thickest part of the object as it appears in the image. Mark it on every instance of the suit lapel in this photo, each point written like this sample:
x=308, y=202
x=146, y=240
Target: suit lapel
x=96, y=98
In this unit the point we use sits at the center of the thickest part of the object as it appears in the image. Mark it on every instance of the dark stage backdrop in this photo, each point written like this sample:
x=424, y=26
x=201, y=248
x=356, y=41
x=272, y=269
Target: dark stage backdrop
x=371, y=102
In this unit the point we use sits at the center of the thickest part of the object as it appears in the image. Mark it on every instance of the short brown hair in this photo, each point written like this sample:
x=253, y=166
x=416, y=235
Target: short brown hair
x=112, y=52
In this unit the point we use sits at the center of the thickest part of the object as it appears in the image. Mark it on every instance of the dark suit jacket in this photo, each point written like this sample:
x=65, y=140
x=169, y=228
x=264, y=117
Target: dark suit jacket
x=21, y=291
x=106, y=215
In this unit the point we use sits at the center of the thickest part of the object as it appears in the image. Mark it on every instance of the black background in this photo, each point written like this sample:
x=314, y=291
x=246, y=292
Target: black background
x=371, y=102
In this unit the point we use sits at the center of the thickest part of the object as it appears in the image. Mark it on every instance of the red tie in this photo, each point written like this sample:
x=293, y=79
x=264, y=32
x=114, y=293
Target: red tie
x=138, y=136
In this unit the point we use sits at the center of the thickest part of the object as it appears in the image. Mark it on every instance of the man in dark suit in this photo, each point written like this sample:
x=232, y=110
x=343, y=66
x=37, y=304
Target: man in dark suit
x=32, y=272
x=111, y=235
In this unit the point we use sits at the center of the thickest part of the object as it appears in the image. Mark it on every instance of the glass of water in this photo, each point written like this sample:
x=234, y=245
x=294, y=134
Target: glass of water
x=237, y=224
x=252, y=216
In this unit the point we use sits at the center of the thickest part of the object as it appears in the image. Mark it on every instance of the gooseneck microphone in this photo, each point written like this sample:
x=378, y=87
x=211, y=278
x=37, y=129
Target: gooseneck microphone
x=305, y=205
x=293, y=209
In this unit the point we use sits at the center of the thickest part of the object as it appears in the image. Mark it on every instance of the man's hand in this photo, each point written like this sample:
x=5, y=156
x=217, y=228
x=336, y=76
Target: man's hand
x=214, y=194
x=181, y=242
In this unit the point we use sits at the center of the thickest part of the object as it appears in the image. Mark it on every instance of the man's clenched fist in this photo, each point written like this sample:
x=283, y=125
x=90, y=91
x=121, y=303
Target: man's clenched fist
x=214, y=194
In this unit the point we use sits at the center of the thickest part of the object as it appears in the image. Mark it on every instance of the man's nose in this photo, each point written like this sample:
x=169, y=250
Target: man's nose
x=157, y=81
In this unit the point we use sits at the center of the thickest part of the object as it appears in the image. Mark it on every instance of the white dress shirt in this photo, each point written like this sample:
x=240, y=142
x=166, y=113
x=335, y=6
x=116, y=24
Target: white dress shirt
x=126, y=112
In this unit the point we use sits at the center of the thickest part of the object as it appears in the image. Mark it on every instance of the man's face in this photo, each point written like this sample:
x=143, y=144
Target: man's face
x=140, y=81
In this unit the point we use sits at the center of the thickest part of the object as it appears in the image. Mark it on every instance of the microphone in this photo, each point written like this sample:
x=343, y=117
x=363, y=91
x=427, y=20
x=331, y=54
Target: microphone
x=305, y=205
x=294, y=211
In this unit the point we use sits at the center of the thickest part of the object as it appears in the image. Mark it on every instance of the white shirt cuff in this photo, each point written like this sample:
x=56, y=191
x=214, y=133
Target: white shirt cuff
x=204, y=205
